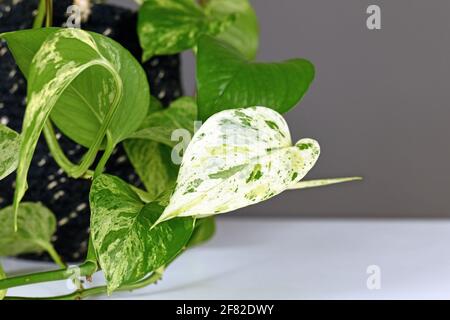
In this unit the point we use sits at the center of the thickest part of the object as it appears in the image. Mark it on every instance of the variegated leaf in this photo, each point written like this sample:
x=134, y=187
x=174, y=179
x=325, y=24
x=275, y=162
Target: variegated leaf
x=127, y=245
x=69, y=64
x=243, y=34
x=171, y=26
x=9, y=149
x=238, y=158
x=81, y=109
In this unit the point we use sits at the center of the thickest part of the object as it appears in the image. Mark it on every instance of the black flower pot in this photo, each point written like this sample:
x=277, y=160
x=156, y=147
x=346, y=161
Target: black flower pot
x=48, y=184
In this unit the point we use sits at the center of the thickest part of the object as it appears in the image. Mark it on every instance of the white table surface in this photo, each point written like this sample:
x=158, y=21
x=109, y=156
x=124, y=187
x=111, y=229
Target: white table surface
x=298, y=259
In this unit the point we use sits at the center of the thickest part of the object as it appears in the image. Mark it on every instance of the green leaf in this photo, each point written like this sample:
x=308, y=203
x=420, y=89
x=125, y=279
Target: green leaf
x=238, y=158
x=153, y=164
x=226, y=80
x=204, y=230
x=322, y=182
x=2, y=276
x=172, y=26
x=81, y=108
x=159, y=126
x=36, y=225
x=9, y=149
x=88, y=83
x=149, y=149
x=155, y=105
x=127, y=243
x=243, y=34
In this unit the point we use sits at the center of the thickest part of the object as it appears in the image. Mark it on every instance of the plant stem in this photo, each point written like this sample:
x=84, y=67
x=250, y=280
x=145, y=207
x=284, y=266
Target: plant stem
x=39, y=20
x=58, y=154
x=90, y=155
x=105, y=157
x=85, y=293
x=86, y=269
x=49, y=13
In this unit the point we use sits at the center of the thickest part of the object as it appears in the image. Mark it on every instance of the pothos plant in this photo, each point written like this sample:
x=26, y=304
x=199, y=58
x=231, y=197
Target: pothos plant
x=97, y=94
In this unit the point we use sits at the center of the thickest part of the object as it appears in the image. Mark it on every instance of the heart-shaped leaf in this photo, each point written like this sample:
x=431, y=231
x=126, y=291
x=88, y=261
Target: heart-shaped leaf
x=127, y=243
x=36, y=225
x=9, y=149
x=238, y=158
x=89, y=84
x=226, y=80
x=243, y=33
x=171, y=26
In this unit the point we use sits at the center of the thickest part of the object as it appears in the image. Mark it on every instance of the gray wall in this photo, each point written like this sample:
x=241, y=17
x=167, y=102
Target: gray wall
x=378, y=106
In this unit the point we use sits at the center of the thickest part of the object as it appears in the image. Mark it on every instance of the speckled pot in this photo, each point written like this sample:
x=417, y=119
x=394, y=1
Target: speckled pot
x=48, y=184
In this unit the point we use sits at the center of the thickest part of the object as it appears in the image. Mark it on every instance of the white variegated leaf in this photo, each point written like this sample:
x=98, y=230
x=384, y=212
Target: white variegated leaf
x=239, y=157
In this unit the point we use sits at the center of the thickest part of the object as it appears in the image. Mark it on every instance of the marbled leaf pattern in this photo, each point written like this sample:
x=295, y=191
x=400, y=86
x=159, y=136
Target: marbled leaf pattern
x=128, y=247
x=66, y=62
x=238, y=158
x=9, y=149
x=243, y=34
x=172, y=26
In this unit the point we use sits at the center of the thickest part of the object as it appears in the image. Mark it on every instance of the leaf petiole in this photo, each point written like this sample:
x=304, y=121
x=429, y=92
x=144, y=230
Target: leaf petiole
x=39, y=20
x=106, y=155
x=86, y=269
x=85, y=293
x=58, y=154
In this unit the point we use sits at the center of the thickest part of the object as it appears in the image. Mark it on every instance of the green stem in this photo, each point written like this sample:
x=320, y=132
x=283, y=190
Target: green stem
x=58, y=154
x=106, y=155
x=39, y=20
x=85, y=293
x=86, y=269
x=91, y=256
x=92, y=152
x=49, y=13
